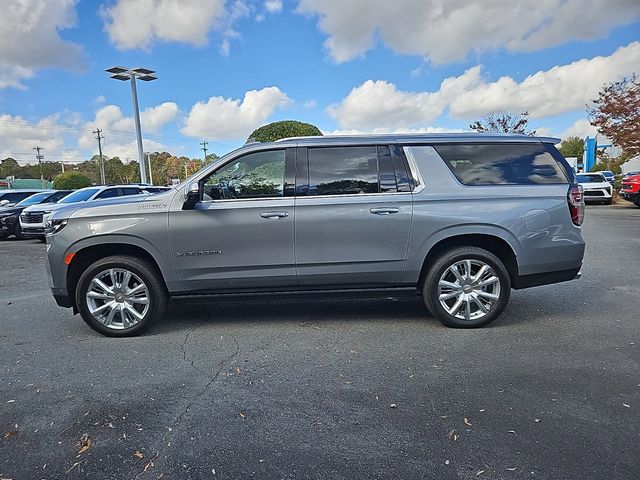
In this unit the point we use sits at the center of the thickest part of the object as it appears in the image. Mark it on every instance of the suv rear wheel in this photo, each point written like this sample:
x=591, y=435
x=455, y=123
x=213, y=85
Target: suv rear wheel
x=120, y=296
x=467, y=287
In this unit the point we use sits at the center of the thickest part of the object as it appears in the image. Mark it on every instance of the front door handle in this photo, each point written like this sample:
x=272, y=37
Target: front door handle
x=384, y=210
x=273, y=215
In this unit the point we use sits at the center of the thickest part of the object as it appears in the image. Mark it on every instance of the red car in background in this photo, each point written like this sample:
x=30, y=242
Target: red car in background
x=631, y=188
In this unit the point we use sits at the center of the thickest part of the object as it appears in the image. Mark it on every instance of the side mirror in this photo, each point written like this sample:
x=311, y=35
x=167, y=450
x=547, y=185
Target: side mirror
x=4, y=203
x=192, y=196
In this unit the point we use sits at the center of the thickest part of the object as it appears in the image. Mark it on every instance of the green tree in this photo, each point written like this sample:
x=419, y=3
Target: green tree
x=286, y=128
x=71, y=181
x=572, y=147
x=503, y=122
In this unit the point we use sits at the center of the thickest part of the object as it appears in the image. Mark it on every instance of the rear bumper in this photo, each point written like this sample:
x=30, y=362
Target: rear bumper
x=546, y=278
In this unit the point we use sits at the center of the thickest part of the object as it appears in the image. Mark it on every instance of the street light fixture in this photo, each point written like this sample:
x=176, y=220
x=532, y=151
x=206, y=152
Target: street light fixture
x=130, y=74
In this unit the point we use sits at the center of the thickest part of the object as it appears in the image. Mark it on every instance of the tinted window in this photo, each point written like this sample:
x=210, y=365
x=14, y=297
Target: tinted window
x=502, y=164
x=79, y=195
x=15, y=196
x=256, y=175
x=108, y=193
x=343, y=170
x=33, y=199
x=130, y=191
x=57, y=196
x=591, y=179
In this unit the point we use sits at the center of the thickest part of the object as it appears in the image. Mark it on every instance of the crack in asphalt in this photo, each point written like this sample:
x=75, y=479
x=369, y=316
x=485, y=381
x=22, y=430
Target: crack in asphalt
x=194, y=398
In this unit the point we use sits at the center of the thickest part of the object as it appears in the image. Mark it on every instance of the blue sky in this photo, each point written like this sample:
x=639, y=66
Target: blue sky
x=358, y=66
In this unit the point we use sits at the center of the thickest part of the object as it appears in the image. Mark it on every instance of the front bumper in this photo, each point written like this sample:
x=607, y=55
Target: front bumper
x=597, y=194
x=7, y=225
x=33, y=232
x=629, y=195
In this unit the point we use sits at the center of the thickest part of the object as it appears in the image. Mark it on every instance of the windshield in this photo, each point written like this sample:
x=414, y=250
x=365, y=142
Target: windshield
x=79, y=196
x=33, y=199
x=591, y=178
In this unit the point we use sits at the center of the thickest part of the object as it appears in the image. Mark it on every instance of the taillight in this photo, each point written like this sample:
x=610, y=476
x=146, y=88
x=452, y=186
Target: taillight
x=575, y=199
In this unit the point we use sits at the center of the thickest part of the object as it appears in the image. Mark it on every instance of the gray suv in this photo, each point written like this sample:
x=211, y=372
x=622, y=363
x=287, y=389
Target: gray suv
x=460, y=219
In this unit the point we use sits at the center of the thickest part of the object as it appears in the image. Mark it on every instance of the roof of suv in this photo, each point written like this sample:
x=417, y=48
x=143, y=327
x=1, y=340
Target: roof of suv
x=420, y=138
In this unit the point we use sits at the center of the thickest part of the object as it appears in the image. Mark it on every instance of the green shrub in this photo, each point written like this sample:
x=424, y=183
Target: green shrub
x=284, y=129
x=71, y=181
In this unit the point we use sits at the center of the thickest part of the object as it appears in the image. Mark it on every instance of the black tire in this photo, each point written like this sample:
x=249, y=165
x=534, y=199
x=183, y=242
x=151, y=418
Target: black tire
x=430, y=289
x=42, y=239
x=609, y=201
x=149, y=275
x=17, y=232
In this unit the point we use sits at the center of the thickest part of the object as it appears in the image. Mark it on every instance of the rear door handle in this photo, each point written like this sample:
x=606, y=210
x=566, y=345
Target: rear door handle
x=384, y=210
x=273, y=215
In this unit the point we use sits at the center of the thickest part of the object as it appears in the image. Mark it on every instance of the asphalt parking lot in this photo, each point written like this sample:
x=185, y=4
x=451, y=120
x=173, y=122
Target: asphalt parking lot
x=342, y=389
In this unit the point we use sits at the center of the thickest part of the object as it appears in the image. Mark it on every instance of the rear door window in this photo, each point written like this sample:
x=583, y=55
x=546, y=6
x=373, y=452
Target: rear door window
x=502, y=164
x=343, y=170
x=108, y=193
x=130, y=191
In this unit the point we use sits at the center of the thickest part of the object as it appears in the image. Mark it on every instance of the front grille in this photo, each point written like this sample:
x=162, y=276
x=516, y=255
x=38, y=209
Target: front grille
x=594, y=193
x=31, y=217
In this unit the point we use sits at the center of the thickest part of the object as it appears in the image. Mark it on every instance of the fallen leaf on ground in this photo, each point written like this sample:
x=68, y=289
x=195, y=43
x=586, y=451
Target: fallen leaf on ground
x=512, y=469
x=72, y=467
x=85, y=443
x=242, y=415
x=625, y=405
x=467, y=422
x=393, y=405
x=139, y=454
x=480, y=472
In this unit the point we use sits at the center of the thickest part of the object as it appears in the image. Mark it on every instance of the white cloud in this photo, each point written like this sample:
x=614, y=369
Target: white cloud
x=381, y=131
x=310, y=104
x=18, y=136
x=30, y=39
x=226, y=118
x=140, y=23
x=448, y=31
x=273, y=6
x=119, y=130
x=580, y=128
x=564, y=88
x=379, y=104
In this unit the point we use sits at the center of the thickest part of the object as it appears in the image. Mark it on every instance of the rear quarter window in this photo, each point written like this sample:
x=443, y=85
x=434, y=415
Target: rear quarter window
x=502, y=164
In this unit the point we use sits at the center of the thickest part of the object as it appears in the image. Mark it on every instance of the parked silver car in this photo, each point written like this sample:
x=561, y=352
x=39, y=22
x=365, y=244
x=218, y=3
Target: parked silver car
x=460, y=219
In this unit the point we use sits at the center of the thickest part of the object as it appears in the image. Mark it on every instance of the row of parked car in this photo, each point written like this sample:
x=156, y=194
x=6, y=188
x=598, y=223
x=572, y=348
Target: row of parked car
x=599, y=186
x=24, y=213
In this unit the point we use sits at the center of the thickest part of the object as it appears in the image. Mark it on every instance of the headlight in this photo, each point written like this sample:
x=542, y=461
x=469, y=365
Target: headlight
x=7, y=219
x=54, y=226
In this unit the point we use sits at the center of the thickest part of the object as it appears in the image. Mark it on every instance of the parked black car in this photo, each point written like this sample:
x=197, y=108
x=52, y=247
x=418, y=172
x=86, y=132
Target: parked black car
x=9, y=216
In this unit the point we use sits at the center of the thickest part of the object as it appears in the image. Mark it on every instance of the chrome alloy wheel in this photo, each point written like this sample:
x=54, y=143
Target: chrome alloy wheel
x=117, y=298
x=468, y=289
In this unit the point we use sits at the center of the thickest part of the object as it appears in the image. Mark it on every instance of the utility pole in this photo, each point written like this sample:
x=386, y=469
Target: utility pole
x=204, y=148
x=40, y=157
x=186, y=174
x=98, y=135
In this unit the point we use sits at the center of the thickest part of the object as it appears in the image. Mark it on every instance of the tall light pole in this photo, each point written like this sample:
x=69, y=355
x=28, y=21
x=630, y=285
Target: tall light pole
x=130, y=74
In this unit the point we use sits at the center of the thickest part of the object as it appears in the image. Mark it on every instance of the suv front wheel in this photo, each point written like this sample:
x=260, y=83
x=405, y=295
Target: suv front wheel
x=467, y=287
x=120, y=296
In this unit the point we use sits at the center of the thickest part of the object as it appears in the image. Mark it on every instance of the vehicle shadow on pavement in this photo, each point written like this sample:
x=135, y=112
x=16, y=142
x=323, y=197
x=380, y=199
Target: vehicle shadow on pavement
x=185, y=314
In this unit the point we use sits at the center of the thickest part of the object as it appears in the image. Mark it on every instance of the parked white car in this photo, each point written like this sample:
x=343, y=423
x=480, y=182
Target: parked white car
x=596, y=188
x=34, y=218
